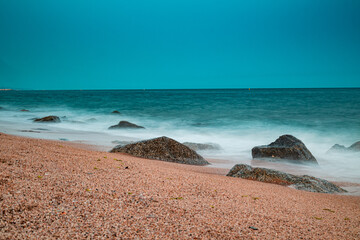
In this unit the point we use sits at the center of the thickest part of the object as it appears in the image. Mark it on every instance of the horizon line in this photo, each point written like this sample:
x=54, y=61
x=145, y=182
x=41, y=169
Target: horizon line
x=176, y=89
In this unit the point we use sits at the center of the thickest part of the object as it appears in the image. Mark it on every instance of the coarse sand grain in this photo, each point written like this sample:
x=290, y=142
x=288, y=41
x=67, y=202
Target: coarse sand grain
x=56, y=190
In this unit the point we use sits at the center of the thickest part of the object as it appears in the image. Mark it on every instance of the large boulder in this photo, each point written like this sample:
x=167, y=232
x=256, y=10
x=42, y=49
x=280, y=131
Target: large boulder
x=286, y=147
x=125, y=124
x=306, y=183
x=48, y=119
x=202, y=146
x=162, y=148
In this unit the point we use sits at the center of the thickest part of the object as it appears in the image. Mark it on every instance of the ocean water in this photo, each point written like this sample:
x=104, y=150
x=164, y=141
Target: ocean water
x=236, y=119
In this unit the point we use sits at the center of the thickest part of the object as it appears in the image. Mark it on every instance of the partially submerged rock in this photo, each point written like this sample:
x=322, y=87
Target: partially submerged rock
x=202, y=146
x=91, y=120
x=48, y=119
x=306, y=183
x=355, y=146
x=24, y=110
x=125, y=124
x=286, y=147
x=115, y=112
x=121, y=143
x=337, y=148
x=32, y=131
x=164, y=149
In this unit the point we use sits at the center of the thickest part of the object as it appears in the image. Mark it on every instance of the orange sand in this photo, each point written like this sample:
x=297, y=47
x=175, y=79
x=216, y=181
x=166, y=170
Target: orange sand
x=51, y=189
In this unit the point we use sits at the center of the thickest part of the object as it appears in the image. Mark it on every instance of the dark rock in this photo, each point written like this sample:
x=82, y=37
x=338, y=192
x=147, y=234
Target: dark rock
x=164, y=149
x=337, y=148
x=24, y=110
x=29, y=131
x=202, y=146
x=115, y=112
x=286, y=147
x=306, y=183
x=355, y=147
x=48, y=119
x=125, y=124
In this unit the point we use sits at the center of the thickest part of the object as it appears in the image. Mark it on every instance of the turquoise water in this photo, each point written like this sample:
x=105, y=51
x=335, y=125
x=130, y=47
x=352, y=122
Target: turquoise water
x=236, y=119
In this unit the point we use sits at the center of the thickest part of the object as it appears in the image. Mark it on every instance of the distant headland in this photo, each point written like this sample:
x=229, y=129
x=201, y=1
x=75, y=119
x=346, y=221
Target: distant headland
x=5, y=89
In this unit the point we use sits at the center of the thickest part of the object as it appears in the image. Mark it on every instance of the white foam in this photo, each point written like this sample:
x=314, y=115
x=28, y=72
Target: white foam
x=236, y=141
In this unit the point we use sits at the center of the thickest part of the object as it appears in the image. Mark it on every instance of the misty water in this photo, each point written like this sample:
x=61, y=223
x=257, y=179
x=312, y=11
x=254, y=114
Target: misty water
x=236, y=119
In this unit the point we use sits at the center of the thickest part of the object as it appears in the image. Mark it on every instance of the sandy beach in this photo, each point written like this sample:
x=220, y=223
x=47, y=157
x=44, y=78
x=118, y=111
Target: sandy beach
x=52, y=189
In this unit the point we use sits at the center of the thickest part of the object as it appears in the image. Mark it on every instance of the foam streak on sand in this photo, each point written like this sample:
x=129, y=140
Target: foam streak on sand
x=53, y=189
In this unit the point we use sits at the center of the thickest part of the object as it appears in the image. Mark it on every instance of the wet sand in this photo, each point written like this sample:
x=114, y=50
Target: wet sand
x=52, y=189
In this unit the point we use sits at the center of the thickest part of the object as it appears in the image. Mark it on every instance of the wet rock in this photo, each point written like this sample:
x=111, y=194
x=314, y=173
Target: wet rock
x=24, y=110
x=305, y=182
x=48, y=119
x=29, y=131
x=115, y=112
x=355, y=147
x=125, y=124
x=286, y=147
x=202, y=146
x=341, y=149
x=91, y=120
x=164, y=149
x=337, y=148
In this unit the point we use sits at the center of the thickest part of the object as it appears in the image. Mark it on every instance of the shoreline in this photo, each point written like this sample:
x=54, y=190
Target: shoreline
x=54, y=189
x=234, y=150
x=353, y=188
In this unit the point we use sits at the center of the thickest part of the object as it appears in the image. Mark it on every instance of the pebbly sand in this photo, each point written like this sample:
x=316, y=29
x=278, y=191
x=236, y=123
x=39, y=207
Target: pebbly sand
x=51, y=190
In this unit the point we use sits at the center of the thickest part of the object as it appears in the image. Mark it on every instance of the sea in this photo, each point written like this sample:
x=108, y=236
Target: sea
x=234, y=119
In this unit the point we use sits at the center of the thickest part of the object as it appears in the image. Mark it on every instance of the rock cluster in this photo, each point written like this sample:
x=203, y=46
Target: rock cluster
x=306, y=183
x=286, y=147
x=164, y=149
x=341, y=148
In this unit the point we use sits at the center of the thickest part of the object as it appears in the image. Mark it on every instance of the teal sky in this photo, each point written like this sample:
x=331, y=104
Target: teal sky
x=158, y=44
